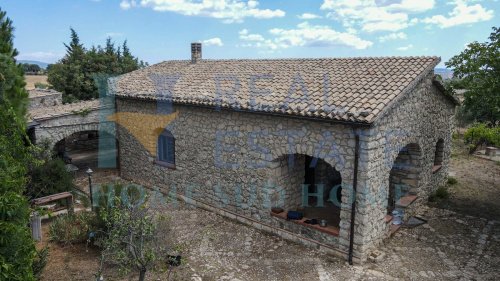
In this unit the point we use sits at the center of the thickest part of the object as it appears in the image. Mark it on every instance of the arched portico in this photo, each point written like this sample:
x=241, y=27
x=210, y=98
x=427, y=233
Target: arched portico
x=404, y=176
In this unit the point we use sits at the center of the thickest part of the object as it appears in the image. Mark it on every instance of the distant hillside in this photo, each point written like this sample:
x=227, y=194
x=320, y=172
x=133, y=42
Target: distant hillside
x=39, y=63
x=444, y=72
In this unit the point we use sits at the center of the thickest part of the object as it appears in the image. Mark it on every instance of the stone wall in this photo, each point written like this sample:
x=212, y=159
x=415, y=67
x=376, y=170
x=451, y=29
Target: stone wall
x=229, y=160
x=421, y=119
x=286, y=176
x=405, y=173
x=61, y=127
x=46, y=99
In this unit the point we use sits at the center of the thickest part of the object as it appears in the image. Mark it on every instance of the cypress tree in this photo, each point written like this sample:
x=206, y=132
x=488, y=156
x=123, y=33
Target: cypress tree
x=16, y=246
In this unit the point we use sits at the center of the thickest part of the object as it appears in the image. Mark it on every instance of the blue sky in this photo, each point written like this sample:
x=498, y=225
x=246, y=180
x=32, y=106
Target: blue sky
x=159, y=30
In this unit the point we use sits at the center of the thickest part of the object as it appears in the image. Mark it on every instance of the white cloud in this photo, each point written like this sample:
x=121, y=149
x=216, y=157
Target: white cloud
x=304, y=35
x=127, y=4
x=392, y=36
x=227, y=10
x=405, y=48
x=255, y=40
x=308, y=16
x=244, y=35
x=49, y=57
x=411, y=6
x=462, y=13
x=375, y=15
x=216, y=41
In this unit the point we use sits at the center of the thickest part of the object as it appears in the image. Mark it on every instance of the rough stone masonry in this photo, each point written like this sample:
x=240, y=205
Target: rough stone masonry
x=239, y=123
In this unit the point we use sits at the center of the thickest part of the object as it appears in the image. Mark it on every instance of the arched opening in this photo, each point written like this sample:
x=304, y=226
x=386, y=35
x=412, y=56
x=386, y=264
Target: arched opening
x=405, y=175
x=309, y=185
x=88, y=149
x=438, y=155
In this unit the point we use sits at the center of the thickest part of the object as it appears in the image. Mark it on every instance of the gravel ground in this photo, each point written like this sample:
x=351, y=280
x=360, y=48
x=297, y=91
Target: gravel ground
x=450, y=246
x=461, y=241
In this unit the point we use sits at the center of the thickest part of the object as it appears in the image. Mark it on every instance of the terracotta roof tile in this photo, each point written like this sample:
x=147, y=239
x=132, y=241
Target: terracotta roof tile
x=336, y=89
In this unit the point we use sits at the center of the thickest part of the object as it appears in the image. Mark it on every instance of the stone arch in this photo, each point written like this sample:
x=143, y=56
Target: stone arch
x=101, y=145
x=439, y=152
x=336, y=160
x=59, y=134
x=302, y=181
x=405, y=174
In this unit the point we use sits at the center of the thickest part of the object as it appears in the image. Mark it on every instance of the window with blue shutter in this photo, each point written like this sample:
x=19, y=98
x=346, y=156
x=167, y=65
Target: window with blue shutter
x=166, y=149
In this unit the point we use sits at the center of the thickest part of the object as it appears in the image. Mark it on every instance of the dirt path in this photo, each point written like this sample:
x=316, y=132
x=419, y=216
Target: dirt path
x=477, y=191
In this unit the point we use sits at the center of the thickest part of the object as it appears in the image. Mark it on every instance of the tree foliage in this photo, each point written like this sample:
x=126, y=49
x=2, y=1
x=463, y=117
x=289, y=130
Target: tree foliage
x=17, y=249
x=11, y=75
x=49, y=175
x=136, y=238
x=478, y=67
x=74, y=74
x=31, y=68
x=480, y=134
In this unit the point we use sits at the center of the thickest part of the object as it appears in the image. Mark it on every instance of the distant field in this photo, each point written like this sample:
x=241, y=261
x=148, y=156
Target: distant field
x=32, y=79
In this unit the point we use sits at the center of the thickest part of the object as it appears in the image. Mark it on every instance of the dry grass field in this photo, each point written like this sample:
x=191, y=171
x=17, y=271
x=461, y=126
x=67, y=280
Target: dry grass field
x=32, y=79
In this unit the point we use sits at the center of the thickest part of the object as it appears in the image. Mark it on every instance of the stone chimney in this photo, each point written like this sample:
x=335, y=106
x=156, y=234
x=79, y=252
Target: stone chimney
x=195, y=52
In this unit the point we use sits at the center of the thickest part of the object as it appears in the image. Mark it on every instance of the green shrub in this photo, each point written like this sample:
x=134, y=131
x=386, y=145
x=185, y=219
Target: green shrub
x=48, y=175
x=40, y=85
x=146, y=236
x=440, y=194
x=72, y=228
x=452, y=181
x=481, y=134
x=105, y=195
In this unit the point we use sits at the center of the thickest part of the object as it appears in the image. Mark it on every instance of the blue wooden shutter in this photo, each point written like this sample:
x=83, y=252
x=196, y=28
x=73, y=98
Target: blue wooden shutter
x=170, y=150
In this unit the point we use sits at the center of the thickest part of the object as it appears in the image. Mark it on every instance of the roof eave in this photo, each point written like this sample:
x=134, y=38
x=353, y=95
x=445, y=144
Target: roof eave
x=310, y=118
x=440, y=86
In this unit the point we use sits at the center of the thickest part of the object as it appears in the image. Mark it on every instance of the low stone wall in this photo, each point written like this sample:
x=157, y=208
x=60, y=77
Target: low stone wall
x=44, y=98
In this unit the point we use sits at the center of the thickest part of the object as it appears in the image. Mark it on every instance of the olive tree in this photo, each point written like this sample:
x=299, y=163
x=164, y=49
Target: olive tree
x=135, y=237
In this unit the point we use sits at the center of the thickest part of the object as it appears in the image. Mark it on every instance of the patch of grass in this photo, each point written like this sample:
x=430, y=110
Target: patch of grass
x=452, y=181
x=440, y=194
x=40, y=262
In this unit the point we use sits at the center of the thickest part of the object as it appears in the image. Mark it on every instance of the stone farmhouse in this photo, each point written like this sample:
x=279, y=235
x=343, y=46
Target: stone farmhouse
x=345, y=140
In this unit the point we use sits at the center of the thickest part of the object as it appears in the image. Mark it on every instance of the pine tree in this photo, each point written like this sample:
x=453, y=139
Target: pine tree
x=16, y=246
x=11, y=75
x=74, y=74
x=75, y=50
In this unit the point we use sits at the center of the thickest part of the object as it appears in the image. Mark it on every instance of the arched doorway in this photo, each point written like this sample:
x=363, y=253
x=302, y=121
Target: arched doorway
x=307, y=184
x=405, y=174
x=84, y=149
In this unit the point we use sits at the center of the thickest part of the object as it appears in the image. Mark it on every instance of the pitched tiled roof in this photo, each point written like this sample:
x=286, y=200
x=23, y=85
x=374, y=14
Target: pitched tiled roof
x=344, y=89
